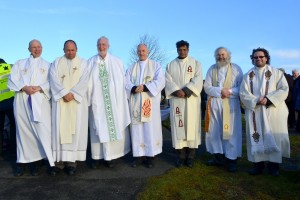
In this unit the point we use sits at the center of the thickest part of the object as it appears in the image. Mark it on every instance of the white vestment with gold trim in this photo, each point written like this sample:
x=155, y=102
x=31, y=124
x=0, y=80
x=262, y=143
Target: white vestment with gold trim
x=76, y=150
x=214, y=141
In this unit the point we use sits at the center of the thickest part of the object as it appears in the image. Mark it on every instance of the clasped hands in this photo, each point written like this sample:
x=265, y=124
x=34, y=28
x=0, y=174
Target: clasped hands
x=225, y=93
x=180, y=94
x=139, y=88
x=262, y=101
x=68, y=97
x=29, y=90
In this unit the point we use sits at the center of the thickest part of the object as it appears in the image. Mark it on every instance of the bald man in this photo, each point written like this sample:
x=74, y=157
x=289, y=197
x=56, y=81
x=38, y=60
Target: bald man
x=144, y=82
x=32, y=110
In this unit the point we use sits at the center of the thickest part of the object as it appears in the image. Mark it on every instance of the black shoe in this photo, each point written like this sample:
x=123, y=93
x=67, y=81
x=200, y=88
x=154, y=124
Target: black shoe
x=19, y=171
x=110, y=164
x=218, y=160
x=255, y=171
x=134, y=163
x=179, y=163
x=214, y=162
x=94, y=164
x=54, y=171
x=273, y=168
x=148, y=162
x=231, y=165
x=71, y=170
x=190, y=162
x=34, y=170
x=274, y=172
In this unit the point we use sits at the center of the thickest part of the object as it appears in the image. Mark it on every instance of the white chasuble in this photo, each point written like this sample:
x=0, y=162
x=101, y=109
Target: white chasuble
x=109, y=116
x=146, y=134
x=185, y=112
x=70, y=120
x=267, y=135
x=214, y=138
x=32, y=112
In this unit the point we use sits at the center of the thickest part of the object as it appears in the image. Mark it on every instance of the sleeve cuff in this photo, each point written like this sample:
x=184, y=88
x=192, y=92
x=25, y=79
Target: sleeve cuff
x=133, y=89
x=187, y=91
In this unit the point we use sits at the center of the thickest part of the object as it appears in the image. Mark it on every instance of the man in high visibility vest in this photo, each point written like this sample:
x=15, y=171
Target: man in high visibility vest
x=6, y=107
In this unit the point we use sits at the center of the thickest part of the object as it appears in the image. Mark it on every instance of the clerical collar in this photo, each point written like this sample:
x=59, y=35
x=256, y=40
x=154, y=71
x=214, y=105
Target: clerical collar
x=32, y=58
x=182, y=60
x=260, y=68
x=100, y=58
x=143, y=61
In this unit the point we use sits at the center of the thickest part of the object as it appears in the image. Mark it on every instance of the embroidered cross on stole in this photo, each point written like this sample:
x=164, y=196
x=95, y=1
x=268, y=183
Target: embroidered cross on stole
x=104, y=79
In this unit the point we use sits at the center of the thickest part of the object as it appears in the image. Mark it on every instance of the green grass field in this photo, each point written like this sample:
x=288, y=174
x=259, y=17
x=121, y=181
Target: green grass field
x=203, y=182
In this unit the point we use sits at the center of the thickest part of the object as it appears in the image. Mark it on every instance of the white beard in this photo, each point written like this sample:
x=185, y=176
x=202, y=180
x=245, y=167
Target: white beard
x=222, y=63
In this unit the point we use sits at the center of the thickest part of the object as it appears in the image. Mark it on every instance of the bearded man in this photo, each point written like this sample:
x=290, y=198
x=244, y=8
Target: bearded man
x=223, y=124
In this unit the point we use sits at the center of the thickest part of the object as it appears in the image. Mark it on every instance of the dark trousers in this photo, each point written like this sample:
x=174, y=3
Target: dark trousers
x=62, y=164
x=291, y=117
x=12, y=135
x=298, y=121
x=186, y=153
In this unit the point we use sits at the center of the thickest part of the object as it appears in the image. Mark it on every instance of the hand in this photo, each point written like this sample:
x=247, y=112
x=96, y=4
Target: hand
x=181, y=94
x=68, y=97
x=225, y=93
x=37, y=88
x=262, y=101
x=139, y=89
x=29, y=90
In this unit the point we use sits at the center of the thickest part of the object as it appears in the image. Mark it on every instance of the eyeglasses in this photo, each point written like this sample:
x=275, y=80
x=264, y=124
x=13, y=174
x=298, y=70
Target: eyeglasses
x=256, y=57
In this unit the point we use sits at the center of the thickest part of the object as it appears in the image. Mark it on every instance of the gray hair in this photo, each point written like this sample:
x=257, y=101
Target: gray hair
x=141, y=44
x=103, y=38
x=34, y=40
x=220, y=48
x=294, y=70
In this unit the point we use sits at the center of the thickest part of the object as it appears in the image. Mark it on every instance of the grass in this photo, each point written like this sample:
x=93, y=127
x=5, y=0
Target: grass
x=203, y=182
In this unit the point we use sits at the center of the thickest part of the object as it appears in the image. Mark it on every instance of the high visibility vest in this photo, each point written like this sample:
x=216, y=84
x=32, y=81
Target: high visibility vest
x=5, y=93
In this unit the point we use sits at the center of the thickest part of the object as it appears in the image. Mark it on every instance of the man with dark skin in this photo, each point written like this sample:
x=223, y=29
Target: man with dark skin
x=183, y=88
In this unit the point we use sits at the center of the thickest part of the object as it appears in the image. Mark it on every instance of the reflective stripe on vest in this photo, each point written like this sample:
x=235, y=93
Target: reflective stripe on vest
x=5, y=93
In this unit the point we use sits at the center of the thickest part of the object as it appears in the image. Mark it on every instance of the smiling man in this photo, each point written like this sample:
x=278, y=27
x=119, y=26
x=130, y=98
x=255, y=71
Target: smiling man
x=69, y=79
x=109, y=111
x=223, y=125
x=144, y=83
x=32, y=109
x=183, y=87
x=263, y=93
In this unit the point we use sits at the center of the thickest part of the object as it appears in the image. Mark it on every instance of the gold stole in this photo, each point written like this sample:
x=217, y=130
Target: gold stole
x=226, y=106
x=68, y=110
x=225, y=102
